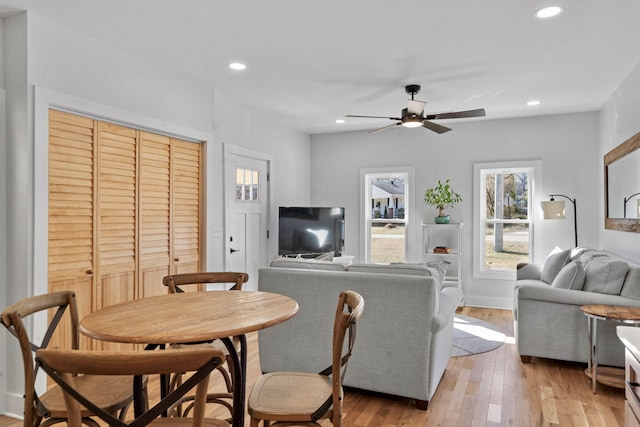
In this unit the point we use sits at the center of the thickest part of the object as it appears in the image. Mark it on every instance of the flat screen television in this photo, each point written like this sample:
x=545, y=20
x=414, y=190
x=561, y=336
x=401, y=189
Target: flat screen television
x=310, y=231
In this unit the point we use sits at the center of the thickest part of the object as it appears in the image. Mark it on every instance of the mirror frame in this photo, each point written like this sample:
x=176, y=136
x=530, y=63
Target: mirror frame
x=620, y=224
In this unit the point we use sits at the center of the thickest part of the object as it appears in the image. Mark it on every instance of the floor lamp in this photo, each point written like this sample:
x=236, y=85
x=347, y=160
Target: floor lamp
x=554, y=209
x=626, y=200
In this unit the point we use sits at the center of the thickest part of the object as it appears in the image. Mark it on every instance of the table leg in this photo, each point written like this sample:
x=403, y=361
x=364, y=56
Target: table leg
x=239, y=375
x=593, y=352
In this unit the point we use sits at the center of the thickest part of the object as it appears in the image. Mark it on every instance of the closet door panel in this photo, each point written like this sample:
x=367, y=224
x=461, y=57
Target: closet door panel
x=116, y=222
x=70, y=228
x=155, y=212
x=186, y=174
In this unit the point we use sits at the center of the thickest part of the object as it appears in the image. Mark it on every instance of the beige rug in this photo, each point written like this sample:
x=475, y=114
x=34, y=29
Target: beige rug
x=473, y=336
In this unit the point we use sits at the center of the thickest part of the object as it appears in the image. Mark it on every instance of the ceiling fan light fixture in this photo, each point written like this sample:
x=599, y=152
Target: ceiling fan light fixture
x=412, y=121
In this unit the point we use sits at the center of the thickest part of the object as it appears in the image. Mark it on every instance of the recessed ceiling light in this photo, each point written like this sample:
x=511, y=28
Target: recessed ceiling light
x=533, y=103
x=549, y=12
x=237, y=66
x=339, y=121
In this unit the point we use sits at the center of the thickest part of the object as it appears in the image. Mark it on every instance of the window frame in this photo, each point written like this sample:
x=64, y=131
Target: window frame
x=480, y=170
x=366, y=175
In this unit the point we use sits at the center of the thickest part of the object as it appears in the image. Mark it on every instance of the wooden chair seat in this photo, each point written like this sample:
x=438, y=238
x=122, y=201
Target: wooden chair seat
x=289, y=396
x=110, y=393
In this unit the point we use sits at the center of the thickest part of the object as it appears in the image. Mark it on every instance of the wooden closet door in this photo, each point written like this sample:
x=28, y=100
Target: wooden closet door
x=71, y=214
x=155, y=213
x=187, y=196
x=116, y=221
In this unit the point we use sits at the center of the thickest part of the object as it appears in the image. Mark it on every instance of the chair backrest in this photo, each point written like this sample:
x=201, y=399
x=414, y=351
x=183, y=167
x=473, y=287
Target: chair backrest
x=13, y=319
x=348, y=312
x=173, y=282
x=63, y=366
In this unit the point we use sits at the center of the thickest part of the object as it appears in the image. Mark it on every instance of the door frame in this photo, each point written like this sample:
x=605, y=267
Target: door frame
x=231, y=149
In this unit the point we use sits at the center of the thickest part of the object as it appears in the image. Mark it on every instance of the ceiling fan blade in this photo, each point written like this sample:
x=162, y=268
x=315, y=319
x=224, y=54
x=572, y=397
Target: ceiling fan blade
x=435, y=127
x=458, y=114
x=373, y=117
x=416, y=107
x=384, y=127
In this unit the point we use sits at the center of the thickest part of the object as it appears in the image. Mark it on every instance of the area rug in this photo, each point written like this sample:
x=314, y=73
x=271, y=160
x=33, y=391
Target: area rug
x=473, y=336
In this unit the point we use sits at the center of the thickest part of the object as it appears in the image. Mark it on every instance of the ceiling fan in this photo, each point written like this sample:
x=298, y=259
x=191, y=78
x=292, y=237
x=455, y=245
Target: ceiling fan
x=413, y=116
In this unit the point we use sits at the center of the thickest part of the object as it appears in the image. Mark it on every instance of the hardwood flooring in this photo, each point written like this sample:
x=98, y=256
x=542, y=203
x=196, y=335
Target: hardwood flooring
x=489, y=389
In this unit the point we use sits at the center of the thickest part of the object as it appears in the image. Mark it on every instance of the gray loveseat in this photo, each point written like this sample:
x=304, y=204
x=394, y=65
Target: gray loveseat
x=547, y=299
x=404, y=337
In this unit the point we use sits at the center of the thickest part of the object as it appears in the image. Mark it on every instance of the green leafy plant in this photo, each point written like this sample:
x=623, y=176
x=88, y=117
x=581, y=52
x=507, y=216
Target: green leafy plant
x=441, y=196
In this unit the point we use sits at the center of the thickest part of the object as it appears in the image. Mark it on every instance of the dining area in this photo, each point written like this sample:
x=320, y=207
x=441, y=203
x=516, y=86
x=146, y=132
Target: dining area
x=185, y=349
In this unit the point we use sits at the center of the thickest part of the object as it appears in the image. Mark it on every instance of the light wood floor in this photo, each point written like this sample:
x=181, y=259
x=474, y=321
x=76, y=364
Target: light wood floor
x=490, y=389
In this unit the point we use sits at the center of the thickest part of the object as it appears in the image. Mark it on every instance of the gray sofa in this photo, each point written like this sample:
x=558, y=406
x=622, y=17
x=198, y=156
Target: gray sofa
x=547, y=299
x=404, y=337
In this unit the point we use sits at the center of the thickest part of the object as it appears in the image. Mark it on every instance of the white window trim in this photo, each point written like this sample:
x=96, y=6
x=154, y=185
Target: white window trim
x=365, y=197
x=479, y=198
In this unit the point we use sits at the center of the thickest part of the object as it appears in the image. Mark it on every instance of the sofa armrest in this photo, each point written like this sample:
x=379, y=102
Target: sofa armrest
x=570, y=296
x=449, y=299
x=526, y=271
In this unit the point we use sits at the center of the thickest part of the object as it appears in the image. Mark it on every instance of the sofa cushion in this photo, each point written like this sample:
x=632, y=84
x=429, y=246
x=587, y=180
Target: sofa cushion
x=403, y=269
x=553, y=264
x=441, y=266
x=571, y=276
x=307, y=264
x=631, y=286
x=605, y=275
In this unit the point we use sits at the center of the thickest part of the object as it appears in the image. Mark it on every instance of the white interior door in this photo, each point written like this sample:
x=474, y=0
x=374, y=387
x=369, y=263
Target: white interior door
x=246, y=193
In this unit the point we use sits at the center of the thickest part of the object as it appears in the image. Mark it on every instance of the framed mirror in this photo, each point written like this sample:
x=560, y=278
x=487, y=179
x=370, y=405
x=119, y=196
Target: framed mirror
x=622, y=186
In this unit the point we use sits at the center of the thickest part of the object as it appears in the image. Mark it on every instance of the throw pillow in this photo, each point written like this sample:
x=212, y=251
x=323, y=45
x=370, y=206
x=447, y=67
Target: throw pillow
x=571, y=276
x=327, y=256
x=441, y=266
x=553, y=264
x=605, y=275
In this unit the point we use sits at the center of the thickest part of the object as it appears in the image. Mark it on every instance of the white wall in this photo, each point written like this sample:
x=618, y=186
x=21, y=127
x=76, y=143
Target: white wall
x=567, y=145
x=50, y=64
x=619, y=120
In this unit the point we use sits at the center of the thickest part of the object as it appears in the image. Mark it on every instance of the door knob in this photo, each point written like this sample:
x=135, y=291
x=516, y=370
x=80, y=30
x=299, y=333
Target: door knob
x=233, y=250
x=176, y=259
x=90, y=271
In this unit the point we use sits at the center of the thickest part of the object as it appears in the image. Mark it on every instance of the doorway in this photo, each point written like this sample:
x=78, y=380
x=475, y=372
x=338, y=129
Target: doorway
x=247, y=198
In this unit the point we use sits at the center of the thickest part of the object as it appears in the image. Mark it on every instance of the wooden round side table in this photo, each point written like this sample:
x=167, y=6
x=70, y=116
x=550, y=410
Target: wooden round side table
x=613, y=377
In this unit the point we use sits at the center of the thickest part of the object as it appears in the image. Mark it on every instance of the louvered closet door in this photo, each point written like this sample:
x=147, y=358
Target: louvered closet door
x=116, y=222
x=71, y=216
x=155, y=212
x=186, y=173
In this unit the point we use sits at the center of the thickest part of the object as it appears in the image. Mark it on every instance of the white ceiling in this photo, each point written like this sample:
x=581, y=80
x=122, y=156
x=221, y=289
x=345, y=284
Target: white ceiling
x=311, y=62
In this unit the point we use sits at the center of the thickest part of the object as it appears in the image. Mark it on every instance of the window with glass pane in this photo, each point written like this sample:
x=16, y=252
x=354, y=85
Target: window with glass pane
x=247, y=185
x=506, y=218
x=386, y=218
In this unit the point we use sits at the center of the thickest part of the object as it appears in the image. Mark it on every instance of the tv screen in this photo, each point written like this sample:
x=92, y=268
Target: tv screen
x=310, y=231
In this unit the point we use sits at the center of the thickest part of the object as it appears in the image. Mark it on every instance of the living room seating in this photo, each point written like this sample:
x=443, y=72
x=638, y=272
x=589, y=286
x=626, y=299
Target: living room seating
x=292, y=398
x=175, y=284
x=49, y=408
x=405, y=336
x=67, y=367
x=548, y=321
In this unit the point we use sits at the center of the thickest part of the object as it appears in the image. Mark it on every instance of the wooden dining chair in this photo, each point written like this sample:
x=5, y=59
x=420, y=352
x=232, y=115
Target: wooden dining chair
x=49, y=408
x=66, y=367
x=175, y=283
x=300, y=398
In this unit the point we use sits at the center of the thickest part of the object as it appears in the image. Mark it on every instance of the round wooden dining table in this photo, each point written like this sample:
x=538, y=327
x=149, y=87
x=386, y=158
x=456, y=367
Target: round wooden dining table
x=194, y=317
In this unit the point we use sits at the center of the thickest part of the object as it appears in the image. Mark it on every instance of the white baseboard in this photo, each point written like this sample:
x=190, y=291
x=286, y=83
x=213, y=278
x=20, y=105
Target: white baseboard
x=488, y=302
x=14, y=406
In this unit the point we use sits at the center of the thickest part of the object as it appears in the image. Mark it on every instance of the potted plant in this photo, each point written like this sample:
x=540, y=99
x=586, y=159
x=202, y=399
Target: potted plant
x=441, y=196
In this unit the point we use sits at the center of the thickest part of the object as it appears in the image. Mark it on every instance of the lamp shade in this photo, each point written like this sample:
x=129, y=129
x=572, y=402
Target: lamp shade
x=553, y=209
